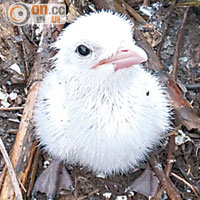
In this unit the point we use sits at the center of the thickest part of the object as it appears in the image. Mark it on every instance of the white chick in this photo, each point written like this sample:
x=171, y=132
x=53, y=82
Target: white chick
x=98, y=107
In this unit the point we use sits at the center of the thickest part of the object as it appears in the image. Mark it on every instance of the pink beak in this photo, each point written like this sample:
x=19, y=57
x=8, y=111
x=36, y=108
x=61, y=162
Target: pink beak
x=125, y=57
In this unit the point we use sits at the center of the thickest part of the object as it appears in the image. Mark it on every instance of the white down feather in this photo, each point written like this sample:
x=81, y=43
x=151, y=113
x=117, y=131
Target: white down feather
x=105, y=120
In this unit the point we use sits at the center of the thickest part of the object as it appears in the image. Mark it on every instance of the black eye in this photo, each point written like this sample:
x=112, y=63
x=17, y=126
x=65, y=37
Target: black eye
x=83, y=50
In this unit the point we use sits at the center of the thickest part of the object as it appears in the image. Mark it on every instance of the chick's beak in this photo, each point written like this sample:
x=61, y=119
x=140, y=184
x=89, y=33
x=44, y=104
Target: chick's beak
x=125, y=57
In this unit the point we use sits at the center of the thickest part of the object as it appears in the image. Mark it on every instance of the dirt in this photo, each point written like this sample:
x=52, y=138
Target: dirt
x=21, y=49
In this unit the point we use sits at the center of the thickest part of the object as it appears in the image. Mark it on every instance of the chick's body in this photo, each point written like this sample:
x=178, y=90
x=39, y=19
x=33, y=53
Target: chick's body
x=103, y=119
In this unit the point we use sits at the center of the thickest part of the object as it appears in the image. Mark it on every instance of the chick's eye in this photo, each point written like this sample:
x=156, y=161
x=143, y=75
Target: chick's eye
x=83, y=50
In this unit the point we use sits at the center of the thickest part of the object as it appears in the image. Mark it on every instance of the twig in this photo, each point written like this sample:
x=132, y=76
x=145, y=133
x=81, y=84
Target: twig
x=162, y=40
x=11, y=171
x=146, y=2
x=171, y=157
x=185, y=182
x=170, y=162
x=193, y=86
x=164, y=179
x=12, y=131
x=2, y=177
x=110, y=4
x=91, y=193
x=76, y=188
x=6, y=30
x=31, y=41
x=178, y=46
x=24, y=51
x=167, y=18
x=190, y=3
x=170, y=10
x=33, y=172
x=134, y=13
x=11, y=109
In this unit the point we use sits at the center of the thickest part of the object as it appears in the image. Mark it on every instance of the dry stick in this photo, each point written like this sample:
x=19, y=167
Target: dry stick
x=23, y=149
x=193, y=86
x=167, y=17
x=178, y=46
x=189, y=178
x=146, y=2
x=190, y=3
x=185, y=182
x=33, y=173
x=76, y=188
x=171, y=157
x=109, y=5
x=170, y=162
x=24, y=52
x=2, y=177
x=134, y=13
x=12, y=131
x=164, y=179
x=11, y=171
x=31, y=41
x=7, y=31
x=11, y=109
x=91, y=193
x=162, y=41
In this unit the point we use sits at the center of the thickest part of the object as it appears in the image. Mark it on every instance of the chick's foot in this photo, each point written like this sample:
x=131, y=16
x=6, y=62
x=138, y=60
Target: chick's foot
x=52, y=180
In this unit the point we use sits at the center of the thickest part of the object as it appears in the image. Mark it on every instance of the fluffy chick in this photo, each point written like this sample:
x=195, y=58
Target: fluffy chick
x=98, y=107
